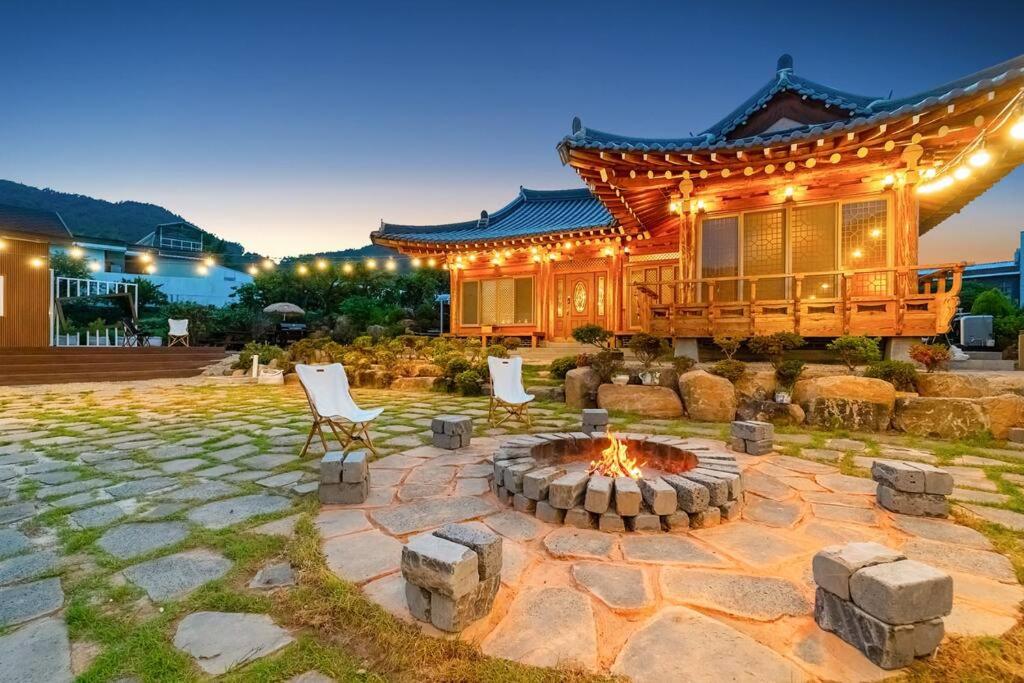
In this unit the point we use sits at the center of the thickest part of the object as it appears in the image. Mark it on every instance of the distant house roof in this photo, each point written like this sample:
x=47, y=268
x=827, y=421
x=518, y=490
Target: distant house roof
x=532, y=213
x=32, y=224
x=851, y=111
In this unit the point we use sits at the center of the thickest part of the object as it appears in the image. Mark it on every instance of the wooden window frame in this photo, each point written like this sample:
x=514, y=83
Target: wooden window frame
x=479, y=301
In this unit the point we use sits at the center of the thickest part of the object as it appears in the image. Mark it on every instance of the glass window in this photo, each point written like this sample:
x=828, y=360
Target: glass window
x=812, y=234
x=865, y=245
x=719, y=257
x=560, y=297
x=470, y=303
x=524, y=300
x=764, y=251
x=600, y=294
x=505, y=301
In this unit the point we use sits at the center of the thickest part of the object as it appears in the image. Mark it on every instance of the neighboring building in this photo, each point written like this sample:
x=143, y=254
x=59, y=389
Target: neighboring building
x=26, y=236
x=171, y=256
x=800, y=210
x=1006, y=276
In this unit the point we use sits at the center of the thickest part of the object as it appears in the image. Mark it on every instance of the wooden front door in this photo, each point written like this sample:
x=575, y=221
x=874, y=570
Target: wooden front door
x=577, y=301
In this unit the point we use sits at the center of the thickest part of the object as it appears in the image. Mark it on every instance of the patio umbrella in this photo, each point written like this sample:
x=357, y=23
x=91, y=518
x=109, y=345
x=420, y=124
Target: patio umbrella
x=285, y=309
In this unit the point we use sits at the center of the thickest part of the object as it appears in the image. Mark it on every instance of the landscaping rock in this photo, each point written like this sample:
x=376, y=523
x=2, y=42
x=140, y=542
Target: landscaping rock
x=844, y=401
x=691, y=496
x=177, y=575
x=659, y=496
x=944, y=418
x=547, y=393
x=599, y=494
x=953, y=385
x=783, y=414
x=627, y=497
x=440, y=566
x=833, y=566
x=274, y=575
x=756, y=385
x=916, y=504
x=568, y=490
x=707, y=397
x=581, y=385
x=1004, y=412
x=650, y=401
x=455, y=614
x=902, y=592
x=414, y=384
x=220, y=641
x=487, y=546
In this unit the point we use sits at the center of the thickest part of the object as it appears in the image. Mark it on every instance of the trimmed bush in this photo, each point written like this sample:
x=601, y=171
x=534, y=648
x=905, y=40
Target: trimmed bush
x=648, y=349
x=773, y=347
x=855, y=350
x=728, y=343
x=468, y=383
x=606, y=364
x=511, y=343
x=595, y=335
x=932, y=356
x=732, y=370
x=789, y=372
x=497, y=350
x=560, y=366
x=682, y=364
x=898, y=373
x=266, y=352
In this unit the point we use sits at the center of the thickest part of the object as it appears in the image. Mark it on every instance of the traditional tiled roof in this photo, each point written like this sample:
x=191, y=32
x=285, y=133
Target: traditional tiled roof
x=33, y=224
x=532, y=213
x=860, y=110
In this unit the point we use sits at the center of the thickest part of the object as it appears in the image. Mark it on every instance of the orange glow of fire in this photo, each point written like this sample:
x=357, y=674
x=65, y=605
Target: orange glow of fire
x=615, y=461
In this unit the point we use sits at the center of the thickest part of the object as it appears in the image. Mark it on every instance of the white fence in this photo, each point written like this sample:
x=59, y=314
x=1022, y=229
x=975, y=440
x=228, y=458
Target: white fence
x=74, y=287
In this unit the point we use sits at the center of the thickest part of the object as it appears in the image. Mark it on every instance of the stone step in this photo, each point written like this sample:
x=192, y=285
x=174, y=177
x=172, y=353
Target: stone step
x=973, y=364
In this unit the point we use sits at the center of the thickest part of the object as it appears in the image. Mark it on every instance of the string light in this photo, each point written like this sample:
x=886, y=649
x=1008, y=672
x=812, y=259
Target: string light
x=253, y=270
x=202, y=269
x=321, y=264
x=151, y=269
x=789, y=191
x=268, y=264
x=857, y=253
x=95, y=266
x=302, y=269
x=209, y=262
x=76, y=252
x=3, y=245
x=146, y=257
x=416, y=262
x=1017, y=130
x=36, y=262
x=371, y=264
x=431, y=262
x=980, y=158
x=962, y=173
x=390, y=264
x=346, y=268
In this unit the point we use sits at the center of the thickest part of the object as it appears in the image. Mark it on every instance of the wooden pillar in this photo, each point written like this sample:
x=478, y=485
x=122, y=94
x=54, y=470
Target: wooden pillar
x=905, y=237
x=454, y=319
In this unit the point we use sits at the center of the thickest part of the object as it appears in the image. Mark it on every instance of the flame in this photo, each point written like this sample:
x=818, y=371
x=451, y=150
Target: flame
x=615, y=461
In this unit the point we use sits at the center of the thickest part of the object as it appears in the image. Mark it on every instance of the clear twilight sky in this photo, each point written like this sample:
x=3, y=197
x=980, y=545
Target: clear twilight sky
x=296, y=126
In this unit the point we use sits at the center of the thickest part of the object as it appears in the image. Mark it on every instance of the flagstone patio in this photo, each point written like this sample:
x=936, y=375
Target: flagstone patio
x=136, y=498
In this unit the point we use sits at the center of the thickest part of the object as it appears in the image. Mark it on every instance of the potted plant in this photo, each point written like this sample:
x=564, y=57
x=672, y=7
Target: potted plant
x=786, y=374
x=648, y=349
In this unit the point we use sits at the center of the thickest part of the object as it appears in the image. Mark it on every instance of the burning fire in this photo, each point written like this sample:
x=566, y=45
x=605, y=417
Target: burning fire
x=615, y=461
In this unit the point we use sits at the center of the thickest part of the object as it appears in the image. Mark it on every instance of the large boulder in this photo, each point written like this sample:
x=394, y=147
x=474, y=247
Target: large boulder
x=414, y=383
x=669, y=377
x=426, y=370
x=1006, y=383
x=649, y=401
x=953, y=385
x=707, y=397
x=846, y=402
x=581, y=388
x=555, y=394
x=768, y=411
x=1003, y=412
x=945, y=418
x=756, y=385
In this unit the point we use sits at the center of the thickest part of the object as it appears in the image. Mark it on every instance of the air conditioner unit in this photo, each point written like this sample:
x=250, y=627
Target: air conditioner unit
x=976, y=330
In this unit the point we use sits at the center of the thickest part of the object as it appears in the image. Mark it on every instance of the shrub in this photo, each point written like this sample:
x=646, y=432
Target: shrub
x=455, y=365
x=682, y=364
x=356, y=360
x=898, y=373
x=732, y=370
x=363, y=342
x=316, y=350
x=855, y=350
x=789, y=372
x=647, y=348
x=266, y=352
x=497, y=350
x=511, y=343
x=595, y=335
x=728, y=343
x=468, y=383
x=773, y=347
x=606, y=364
x=931, y=356
x=560, y=366
x=1006, y=329
x=993, y=303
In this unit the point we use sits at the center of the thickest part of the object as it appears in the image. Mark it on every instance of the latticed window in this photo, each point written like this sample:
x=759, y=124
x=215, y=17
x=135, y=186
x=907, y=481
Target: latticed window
x=504, y=301
x=471, y=303
x=764, y=251
x=719, y=253
x=600, y=294
x=865, y=244
x=812, y=236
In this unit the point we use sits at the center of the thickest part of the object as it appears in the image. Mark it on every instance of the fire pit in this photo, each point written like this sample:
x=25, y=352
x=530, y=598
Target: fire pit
x=624, y=482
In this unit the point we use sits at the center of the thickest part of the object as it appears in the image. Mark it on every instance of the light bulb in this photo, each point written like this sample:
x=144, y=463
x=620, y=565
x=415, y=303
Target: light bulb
x=268, y=264
x=202, y=269
x=209, y=262
x=151, y=269
x=980, y=158
x=390, y=264
x=962, y=173
x=302, y=269
x=789, y=191
x=431, y=262
x=857, y=253
x=416, y=262
x=95, y=266
x=321, y=264
x=36, y=262
x=76, y=253
x=371, y=263
x=253, y=270
x=146, y=257
x=347, y=268
x=1017, y=131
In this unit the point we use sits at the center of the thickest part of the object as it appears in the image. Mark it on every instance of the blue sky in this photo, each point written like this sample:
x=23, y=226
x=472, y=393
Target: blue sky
x=295, y=127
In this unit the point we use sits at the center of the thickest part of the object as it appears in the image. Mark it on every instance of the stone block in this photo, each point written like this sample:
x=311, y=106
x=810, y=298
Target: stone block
x=486, y=545
x=901, y=476
x=915, y=504
x=734, y=487
x=902, y=592
x=646, y=521
x=610, y=521
x=331, y=466
x=344, y=494
x=567, y=491
x=440, y=566
x=712, y=517
x=659, y=497
x=690, y=496
x=514, y=476
x=537, y=482
x=1016, y=435
x=763, y=447
x=505, y=496
x=418, y=600
x=737, y=444
x=718, y=490
x=730, y=510
x=595, y=417
x=887, y=645
x=599, y=494
x=455, y=614
x=677, y=520
x=523, y=504
x=627, y=497
x=833, y=566
x=545, y=512
x=752, y=430
x=449, y=442
x=356, y=467
x=936, y=481
x=452, y=425
x=579, y=518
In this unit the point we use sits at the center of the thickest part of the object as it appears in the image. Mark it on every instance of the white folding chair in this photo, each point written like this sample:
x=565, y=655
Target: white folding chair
x=177, y=332
x=330, y=400
x=507, y=392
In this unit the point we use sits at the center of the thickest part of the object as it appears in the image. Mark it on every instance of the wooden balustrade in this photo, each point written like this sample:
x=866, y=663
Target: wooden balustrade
x=889, y=302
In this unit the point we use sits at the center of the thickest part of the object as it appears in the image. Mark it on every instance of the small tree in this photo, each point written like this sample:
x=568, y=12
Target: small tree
x=788, y=373
x=648, y=349
x=899, y=373
x=606, y=365
x=64, y=266
x=595, y=335
x=729, y=344
x=993, y=303
x=932, y=356
x=774, y=346
x=855, y=350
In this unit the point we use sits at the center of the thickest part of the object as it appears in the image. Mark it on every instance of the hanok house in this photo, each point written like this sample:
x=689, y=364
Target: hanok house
x=799, y=211
x=25, y=239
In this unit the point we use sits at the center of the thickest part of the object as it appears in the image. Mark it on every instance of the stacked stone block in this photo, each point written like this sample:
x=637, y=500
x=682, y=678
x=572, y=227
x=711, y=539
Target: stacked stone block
x=912, y=488
x=753, y=437
x=594, y=420
x=452, y=431
x=344, y=479
x=452, y=575
x=544, y=475
x=888, y=607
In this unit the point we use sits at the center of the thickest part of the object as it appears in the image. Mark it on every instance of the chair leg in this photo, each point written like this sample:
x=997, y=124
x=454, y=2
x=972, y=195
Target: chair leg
x=309, y=440
x=365, y=437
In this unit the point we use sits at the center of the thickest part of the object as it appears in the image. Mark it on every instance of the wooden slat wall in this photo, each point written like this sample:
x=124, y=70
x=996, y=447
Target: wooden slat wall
x=25, y=320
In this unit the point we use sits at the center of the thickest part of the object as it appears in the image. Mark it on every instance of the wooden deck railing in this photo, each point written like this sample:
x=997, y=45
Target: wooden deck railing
x=892, y=301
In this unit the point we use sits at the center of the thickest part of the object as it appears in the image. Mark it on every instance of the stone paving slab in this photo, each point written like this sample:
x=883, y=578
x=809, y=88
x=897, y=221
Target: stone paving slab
x=427, y=514
x=224, y=513
x=547, y=627
x=362, y=556
x=128, y=541
x=666, y=549
x=220, y=641
x=26, y=601
x=174, y=576
x=23, y=567
x=37, y=653
x=622, y=588
x=761, y=598
x=13, y=542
